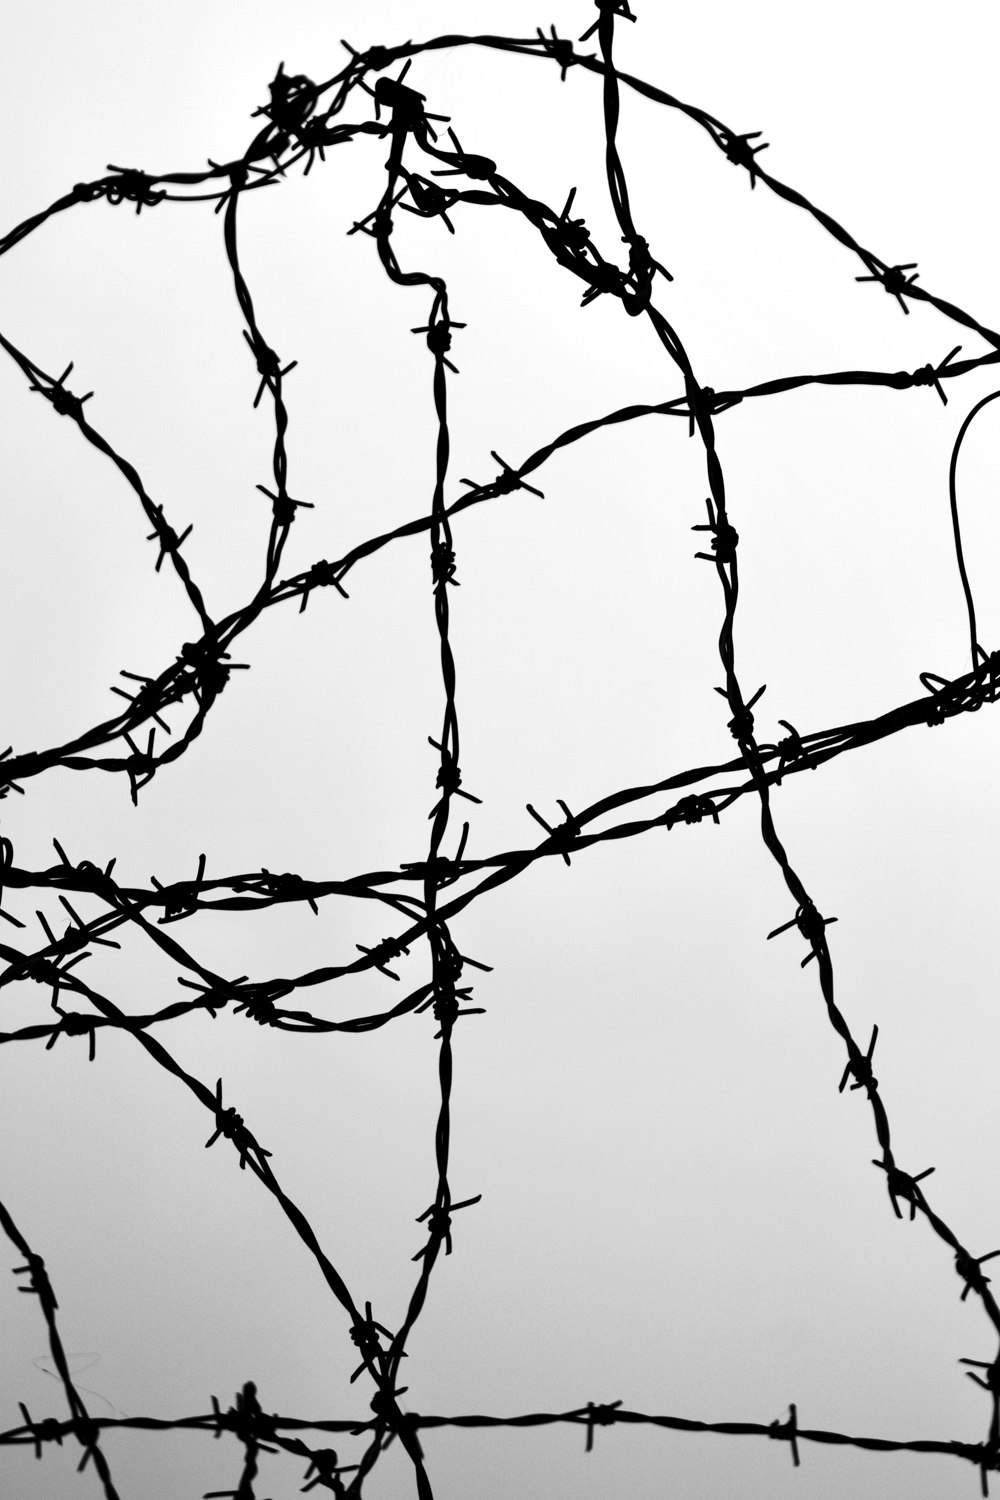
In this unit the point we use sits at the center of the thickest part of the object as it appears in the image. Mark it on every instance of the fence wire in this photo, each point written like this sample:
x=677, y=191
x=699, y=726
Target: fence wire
x=432, y=173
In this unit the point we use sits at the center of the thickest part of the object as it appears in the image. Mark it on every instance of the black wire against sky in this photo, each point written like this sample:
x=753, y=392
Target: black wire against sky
x=299, y=125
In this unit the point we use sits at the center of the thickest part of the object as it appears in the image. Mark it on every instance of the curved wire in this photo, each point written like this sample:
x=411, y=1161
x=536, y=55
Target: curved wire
x=973, y=642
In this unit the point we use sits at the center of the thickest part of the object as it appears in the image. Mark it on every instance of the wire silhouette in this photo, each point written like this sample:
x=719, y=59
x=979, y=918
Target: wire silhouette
x=302, y=121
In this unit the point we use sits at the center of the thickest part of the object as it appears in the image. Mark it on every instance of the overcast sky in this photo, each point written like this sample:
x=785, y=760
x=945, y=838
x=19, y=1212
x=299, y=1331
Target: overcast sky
x=679, y=1210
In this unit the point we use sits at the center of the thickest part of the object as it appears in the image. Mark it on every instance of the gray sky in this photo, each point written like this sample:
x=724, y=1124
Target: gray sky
x=679, y=1210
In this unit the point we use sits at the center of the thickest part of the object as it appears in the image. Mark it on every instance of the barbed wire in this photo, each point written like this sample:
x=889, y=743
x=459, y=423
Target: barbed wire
x=299, y=126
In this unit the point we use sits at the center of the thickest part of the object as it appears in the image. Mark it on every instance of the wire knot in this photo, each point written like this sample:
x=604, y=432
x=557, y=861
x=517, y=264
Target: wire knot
x=130, y=186
x=268, y=368
x=377, y=58
x=246, y=1420
x=169, y=541
x=293, y=99
x=740, y=152
x=894, y=281
x=287, y=887
x=383, y=1403
x=571, y=235
x=929, y=375
x=41, y=970
x=963, y=695
x=63, y=401
x=506, y=482
x=725, y=538
x=40, y=1286
x=604, y=279
x=230, y=1124
x=811, y=925
x=10, y=785
x=446, y=1003
x=468, y=164
x=787, y=1432
x=320, y=575
x=181, y=898
x=208, y=667
x=559, y=48
x=283, y=507
x=692, y=810
x=861, y=1067
x=564, y=834
x=449, y=777
x=902, y=1185
x=382, y=954
x=740, y=726
x=790, y=751
x=968, y=1269
x=49, y=1430
x=405, y=105
x=438, y=332
x=443, y=565
x=323, y=1463
x=365, y=1334
x=600, y=1414
x=257, y=1002
x=986, y=1456
x=992, y=1381
x=438, y=1218
x=430, y=200
x=641, y=269
x=508, y=479
x=141, y=764
x=75, y=1023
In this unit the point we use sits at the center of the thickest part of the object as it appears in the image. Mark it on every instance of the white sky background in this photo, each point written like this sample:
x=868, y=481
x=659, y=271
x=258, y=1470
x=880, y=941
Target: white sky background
x=679, y=1210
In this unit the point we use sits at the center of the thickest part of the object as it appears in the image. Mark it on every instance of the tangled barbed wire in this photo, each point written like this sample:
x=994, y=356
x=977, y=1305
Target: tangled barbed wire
x=430, y=173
